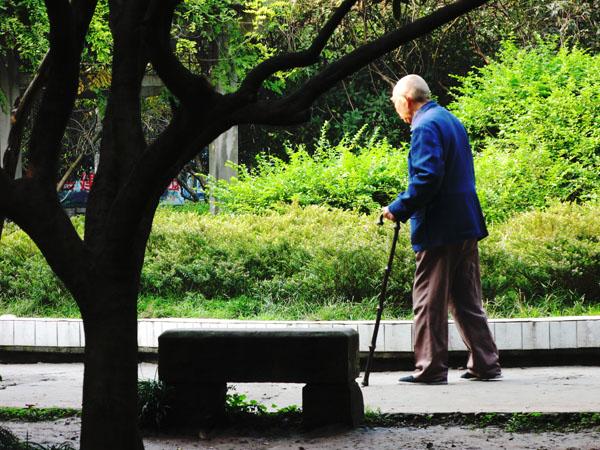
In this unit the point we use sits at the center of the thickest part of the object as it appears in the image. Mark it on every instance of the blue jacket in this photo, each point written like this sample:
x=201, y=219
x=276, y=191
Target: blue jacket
x=441, y=200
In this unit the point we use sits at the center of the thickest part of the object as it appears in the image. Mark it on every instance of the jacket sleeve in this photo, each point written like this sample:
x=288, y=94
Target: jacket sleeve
x=426, y=173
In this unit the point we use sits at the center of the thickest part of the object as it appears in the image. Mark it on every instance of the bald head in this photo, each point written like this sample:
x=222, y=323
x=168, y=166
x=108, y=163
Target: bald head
x=413, y=87
x=409, y=94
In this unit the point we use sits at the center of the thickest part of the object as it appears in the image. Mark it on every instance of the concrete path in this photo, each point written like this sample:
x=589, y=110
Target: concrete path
x=539, y=389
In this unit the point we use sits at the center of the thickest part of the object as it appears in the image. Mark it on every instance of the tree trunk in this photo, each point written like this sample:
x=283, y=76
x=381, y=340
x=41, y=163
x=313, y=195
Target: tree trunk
x=110, y=379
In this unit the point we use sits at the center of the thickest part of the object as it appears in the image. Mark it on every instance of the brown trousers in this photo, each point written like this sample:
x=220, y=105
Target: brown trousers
x=448, y=278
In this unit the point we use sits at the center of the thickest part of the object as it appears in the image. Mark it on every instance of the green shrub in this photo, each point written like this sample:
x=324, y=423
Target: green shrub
x=543, y=258
x=355, y=174
x=312, y=254
x=27, y=284
x=534, y=120
x=317, y=264
x=533, y=117
x=313, y=263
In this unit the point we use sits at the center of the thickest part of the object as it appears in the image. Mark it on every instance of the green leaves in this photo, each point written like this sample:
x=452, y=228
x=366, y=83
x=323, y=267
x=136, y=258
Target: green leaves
x=534, y=120
x=24, y=29
x=347, y=175
x=543, y=257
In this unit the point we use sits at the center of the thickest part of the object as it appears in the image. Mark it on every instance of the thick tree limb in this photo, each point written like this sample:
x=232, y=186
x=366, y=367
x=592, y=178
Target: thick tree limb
x=123, y=139
x=6, y=186
x=375, y=49
x=32, y=202
x=189, y=88
x=53, y=112
x=66, y=43
x=15, y=136
x=289, y=61
x=294, y=108
x=130, y=60
x=52, y=231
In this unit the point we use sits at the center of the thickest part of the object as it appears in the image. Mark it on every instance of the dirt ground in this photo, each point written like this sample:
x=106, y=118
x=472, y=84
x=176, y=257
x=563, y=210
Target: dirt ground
x=434, y=437
x=569, y=389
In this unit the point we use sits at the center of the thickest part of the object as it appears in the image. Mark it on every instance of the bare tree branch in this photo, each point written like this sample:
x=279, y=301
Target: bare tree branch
x=198, y=179
x=68, y=173
x=476, y=48
x=437, y=49
x=188, y=189
x=11, y=156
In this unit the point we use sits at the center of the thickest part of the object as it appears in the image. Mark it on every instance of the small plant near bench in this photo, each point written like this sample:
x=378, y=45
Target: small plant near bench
x=153, y=403
x=250, y=414
x=237, y=404
x=154, y=406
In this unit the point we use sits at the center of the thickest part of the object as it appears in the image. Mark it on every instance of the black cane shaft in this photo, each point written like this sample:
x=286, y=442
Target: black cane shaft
x=382, y=294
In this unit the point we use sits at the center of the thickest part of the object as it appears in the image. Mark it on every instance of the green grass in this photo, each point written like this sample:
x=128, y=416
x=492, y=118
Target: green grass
x=249, y=413
x=246, y=308
x=510, y=422
x=36, y=414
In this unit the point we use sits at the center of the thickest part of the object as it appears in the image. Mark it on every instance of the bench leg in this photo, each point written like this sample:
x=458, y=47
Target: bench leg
x=194, y=405
x=329, y=404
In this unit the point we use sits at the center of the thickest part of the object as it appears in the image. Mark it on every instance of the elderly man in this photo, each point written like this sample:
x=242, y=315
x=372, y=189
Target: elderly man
x=446, y=224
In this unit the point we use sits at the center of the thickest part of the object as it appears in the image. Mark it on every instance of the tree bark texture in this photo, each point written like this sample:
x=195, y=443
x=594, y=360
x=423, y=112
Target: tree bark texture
x=102, y=270
x=109, y=416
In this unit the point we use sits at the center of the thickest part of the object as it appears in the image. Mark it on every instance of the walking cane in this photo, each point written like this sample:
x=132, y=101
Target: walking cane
x=386, y=276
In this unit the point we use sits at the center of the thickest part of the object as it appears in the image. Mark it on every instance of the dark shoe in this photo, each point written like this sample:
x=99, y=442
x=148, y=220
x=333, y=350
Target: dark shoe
x=473, y=377
x=413, y=380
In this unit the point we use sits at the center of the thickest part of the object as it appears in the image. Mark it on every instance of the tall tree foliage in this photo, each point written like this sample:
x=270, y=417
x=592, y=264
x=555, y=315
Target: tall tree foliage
x=102, y=269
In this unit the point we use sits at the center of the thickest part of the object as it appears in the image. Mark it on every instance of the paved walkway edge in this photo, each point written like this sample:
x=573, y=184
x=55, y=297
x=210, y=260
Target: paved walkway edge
x=560, y=333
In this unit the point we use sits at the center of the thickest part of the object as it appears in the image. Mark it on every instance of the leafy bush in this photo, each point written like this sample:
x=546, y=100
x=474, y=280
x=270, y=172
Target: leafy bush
x=153, y=403
x=26, y=281
x=319, y=264
x=543, y=257
x=534, y=120
x=312, y=255
x=353, y=175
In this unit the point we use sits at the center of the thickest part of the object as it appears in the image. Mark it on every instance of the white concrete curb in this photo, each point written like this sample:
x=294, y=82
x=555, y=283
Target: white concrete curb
x=582, y=332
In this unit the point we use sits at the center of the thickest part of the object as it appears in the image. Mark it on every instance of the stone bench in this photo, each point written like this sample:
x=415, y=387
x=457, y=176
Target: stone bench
x=197, y=364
